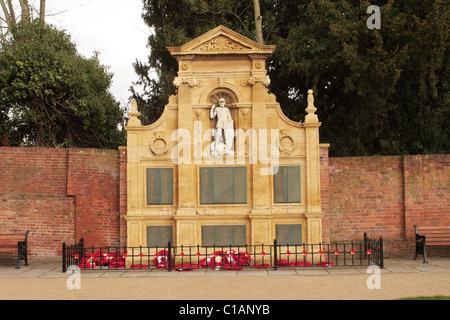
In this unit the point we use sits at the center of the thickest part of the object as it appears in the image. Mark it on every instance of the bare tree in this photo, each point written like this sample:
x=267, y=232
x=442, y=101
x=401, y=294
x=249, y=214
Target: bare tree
x=8, y=15
x=258, y=22
x=25, y=10
x=42, y=11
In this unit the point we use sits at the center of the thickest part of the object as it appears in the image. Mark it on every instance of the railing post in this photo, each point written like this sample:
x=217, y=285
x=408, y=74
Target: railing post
x=169, y=256
x=381, y=253
x=275, y=254
x=64, y=268
x=365, y=245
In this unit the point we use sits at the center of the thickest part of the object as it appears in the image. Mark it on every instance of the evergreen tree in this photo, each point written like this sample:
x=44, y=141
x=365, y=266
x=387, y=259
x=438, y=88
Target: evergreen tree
x=51, y=96
x=378, y=91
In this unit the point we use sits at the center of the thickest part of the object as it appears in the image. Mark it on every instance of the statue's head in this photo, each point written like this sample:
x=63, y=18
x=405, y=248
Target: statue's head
x=222, y=102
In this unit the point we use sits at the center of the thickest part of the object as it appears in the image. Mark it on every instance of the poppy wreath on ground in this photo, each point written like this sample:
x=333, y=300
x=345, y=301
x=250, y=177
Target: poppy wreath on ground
x=116, y=264
x=87, y=263
x=226, y=260
x=325, y=264
x=139, y=266
x=100, y=258
x=186, y=267
x=261, y=266
x=104, y=259
x=286, y=263
x=161, y=260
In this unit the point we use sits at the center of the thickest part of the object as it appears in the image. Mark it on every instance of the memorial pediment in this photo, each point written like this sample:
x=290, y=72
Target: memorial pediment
x=221, y=40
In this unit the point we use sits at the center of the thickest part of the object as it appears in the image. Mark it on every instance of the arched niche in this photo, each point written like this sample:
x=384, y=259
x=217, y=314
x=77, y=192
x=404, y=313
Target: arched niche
x=231, y=101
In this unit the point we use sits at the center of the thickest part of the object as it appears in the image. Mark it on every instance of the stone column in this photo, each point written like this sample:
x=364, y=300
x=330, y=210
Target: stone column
x=259, y=81
x=313, y=213
x=134, y=215
x=186, y=229
x=183, y=155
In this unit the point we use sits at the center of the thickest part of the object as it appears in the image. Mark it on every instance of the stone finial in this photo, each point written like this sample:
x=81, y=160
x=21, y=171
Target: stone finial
x=311, y=109
x=134, y=114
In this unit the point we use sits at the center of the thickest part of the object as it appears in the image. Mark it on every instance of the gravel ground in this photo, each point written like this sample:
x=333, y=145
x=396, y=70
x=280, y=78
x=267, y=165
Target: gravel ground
x=400, y=279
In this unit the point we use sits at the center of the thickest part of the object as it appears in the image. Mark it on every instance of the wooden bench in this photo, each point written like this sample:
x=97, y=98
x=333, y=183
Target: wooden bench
x=10, y=241
x=430, y=236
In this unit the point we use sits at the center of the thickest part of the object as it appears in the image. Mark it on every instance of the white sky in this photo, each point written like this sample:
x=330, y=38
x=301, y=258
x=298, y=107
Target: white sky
x=114, y=28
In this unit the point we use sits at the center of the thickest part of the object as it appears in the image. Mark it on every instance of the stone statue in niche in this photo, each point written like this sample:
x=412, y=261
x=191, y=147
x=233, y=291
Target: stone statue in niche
x=223, y=132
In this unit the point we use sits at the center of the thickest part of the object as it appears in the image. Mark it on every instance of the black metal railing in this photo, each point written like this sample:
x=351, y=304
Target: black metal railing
x=184, y=258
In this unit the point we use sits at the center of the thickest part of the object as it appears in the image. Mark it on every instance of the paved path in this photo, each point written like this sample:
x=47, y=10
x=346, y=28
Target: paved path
x=400, y=278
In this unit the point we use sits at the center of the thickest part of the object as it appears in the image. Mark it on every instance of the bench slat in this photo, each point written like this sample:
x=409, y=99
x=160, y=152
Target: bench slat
x=433, y=240
x=433, y=227
x=435, y=231
x=439, y=243
x=438, y=234
x=8, y=248
x=7, y=236
x=12, y=239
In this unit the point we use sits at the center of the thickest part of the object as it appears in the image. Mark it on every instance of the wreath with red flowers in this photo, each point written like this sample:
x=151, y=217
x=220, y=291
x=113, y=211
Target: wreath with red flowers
x=110, y=260
x=161, y=260
x=218, y=260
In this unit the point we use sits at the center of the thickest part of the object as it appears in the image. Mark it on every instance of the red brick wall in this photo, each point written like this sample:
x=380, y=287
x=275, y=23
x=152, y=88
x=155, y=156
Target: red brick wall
x=325, y=192
x=386, y=196
x=61, y=195
x=93, y=179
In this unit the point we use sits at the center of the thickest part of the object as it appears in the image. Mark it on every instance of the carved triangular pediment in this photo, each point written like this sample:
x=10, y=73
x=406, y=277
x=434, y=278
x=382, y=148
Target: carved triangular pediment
x=221, y=40
x=221, y=43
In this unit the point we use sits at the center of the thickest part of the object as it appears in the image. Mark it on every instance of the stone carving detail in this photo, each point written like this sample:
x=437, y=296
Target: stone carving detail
x=246, y=121
x=271, y=97
x=287, y=143
x=311, y=109
x=220, y=43
x=134, y=121
x=191, y=82
x=173, y=99
x=253, y=80
x=229, y=100
x=159, y=146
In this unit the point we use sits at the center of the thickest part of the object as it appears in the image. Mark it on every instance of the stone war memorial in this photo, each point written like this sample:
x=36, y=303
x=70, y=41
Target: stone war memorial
x=223, y=165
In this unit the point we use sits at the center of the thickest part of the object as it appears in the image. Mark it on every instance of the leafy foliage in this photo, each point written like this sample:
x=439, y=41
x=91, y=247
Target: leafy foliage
x=378, y=92
x=52, y=96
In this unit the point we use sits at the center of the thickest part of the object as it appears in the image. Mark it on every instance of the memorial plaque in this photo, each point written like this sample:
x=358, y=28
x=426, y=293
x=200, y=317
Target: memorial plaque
x=289, y=234
x=286, y=185
x=224, y=235
x=223, y=185
x=159, y=236
x=159, y=186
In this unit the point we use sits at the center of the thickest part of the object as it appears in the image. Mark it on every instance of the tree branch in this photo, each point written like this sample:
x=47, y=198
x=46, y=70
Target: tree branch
x=42, y=11
x=7, y=14
x=11, y=11
x=25, y=10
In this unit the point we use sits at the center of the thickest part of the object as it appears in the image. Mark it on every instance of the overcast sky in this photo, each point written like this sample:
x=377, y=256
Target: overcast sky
x=114, y=28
